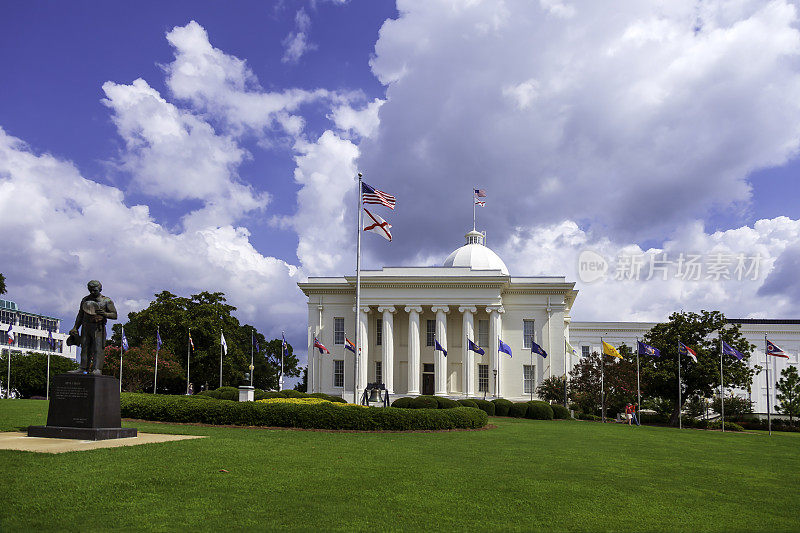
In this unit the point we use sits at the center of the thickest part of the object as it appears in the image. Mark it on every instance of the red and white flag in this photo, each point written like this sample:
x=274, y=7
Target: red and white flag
x=685, y=350
x=774, y=349
x=376, y=224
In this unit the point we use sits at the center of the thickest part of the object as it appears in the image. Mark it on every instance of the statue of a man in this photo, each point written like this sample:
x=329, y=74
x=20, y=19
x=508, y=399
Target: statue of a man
x=94, y=312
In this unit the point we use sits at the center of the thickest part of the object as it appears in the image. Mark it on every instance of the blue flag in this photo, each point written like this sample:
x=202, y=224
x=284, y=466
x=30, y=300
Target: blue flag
x=503, y=347
x=646, y=349
x=438, y=347
x=158, y=340
x=124, y=341
x=535, y=348
x=50, y=340
x=284, y=347
x=475, y=348
x=727, y=349
x=255, y=343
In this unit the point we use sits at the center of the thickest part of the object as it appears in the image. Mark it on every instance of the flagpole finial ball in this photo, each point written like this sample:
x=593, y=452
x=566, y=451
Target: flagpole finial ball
x=360, y=175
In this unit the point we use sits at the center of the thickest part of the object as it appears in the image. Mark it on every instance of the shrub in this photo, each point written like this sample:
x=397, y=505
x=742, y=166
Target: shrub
x=425, y=402
x=301, y=415
x=501, y=406
x=402, y=403
x=518, y=409
x=294, y=394
x=588, y=416
x=560, y=412
x=652, y=418
x=446, y=403
x=539, y=410
x=729, y=426
x=468, y=403
x=486, y=406
x=336, y=399
x=225, y=393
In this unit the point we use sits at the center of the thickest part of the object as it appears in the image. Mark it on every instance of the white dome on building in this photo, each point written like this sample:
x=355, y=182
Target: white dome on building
x=475, y=255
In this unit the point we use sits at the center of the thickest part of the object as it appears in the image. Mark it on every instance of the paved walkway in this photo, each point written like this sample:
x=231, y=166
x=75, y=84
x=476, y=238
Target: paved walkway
x=12, y=440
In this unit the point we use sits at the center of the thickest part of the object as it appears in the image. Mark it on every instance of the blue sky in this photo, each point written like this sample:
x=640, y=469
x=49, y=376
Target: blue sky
x=225, y=137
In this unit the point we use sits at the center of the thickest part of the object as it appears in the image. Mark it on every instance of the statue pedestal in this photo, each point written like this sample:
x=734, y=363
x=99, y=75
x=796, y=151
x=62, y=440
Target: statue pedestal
x=83, y=406
x=246, y=393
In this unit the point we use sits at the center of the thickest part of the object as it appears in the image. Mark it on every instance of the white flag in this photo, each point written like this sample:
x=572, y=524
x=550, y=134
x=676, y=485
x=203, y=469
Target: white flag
x=376, y=224
x=223, y=343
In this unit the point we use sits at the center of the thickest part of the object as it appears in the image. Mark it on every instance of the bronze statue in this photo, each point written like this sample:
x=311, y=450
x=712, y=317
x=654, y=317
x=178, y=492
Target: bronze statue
x=94, y=312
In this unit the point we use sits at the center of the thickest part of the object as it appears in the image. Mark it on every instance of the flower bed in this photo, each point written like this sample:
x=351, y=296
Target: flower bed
x=311, y=413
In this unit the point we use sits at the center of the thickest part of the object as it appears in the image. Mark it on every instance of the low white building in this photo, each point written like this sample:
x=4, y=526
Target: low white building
x=585, y=339
x=471, y=296
x=31, y=332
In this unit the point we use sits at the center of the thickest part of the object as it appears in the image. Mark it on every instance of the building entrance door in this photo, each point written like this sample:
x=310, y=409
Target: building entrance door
x=428, y=379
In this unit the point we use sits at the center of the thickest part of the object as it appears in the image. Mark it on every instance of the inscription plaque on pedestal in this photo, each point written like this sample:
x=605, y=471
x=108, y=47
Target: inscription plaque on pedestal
x=83, y=406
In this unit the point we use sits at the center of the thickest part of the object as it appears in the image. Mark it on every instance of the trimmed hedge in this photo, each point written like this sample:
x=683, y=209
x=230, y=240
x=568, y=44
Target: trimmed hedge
x=468, y=403
x=425, y=402
x=588, y=416
x=560, y=412
x=502, y=406
x=486, y=406
x=446, y=403
x=518, y=409
x=402, y=403
x=539, y=410
x=166, y=408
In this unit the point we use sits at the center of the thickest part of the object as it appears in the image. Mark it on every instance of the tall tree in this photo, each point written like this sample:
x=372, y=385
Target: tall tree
x=788, y=388
x=138, y=364
x=619, y=381
x=699, y=332
x=2, y=284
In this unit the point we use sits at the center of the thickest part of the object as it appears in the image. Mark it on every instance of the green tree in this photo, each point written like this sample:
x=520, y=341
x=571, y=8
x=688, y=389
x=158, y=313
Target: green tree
x=138, y=365
x=699, y=332
x=302, y=385
x=29, y=371
x=788, y=388
x=552, y=389
x=619, y=382
x=735, y=407
x=2, y=284
x=206, y=314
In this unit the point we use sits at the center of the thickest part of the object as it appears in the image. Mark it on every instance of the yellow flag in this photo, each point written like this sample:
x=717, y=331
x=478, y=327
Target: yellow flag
x=610, y=350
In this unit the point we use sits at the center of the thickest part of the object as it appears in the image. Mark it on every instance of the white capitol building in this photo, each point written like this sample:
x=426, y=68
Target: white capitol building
x=472, y=296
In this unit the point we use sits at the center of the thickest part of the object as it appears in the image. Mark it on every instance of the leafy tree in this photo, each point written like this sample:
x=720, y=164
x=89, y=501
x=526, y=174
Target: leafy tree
x=735, y=407
x=137, y=369
x=697, y=379
x=29, y=371
x=2, y=284
x=789, y=392
x=302, y=385
x=552, y=389
x=206, y=314
x=619, y=382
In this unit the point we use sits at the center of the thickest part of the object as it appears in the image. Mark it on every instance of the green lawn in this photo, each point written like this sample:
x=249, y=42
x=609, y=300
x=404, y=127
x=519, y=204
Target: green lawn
x=525, y=475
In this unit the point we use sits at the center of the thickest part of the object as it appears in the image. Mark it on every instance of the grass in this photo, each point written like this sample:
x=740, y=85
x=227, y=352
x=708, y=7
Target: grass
x=525, y=475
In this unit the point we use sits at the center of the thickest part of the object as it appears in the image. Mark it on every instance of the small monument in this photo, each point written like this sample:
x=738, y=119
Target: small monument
x=84, y=404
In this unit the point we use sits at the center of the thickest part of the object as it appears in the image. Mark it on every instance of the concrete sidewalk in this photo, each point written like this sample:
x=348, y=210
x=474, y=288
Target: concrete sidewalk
x=12, y=440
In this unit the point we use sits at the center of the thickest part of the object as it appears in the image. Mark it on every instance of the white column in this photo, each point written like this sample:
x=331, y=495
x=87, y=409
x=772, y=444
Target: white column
x=317, y=359
x=439, y=359
x=467, y=356
x=413, y=348
x=311, y=373
x=363, y=360
x=495, y=358
x=388, y=346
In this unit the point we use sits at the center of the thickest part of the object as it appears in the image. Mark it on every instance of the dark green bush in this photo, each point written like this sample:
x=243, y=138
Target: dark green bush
x=588, y=416
x=425, y=402
x=652, y=418
x=518, y=409
x=729, y=426
x=446, y=403
x=466, y=402
x=560, y=412
x=486, y=406
x=402, y=403
x=502, y=406
x=289, y=393
x=325, y=416
x=539, y=410
x=336, y=399
x=209, y=394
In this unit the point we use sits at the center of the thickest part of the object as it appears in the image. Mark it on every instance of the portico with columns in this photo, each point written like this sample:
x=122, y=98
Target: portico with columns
x=471, y=296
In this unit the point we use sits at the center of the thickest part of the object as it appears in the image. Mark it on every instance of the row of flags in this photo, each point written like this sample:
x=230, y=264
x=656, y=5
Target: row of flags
x=10, y=337
x=727, y=349
x=223, y=343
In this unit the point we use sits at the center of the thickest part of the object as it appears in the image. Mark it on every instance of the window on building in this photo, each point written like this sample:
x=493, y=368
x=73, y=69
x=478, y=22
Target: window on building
x=483, y=333
x=483, y=378
x=584, y=351
x=527, y=333
x=528, y=379
x=431, y=332
x=379, y=331
x=338, y=330
x=378, y=372
x=28, y=321
x=8, y=317
x=338, y=372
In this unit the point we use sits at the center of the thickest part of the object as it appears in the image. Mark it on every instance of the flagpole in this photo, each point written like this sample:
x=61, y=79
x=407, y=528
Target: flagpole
x=769, y=417
x=47, y=393
x=283, y=351
x=680, y=421
x=721, y=382
x=155, y=374
x=188, y=354
x=638, y=385
x=357, y=353
x=473, y=209
x=566, y=344
x=121, y=351
x=220, y=357
x=532, y=378
x=602, y=381
x=252, y=368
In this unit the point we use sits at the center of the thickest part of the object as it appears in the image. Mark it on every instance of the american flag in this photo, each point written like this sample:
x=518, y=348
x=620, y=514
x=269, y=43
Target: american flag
x=480, y=193
x=371, y=195
x=774, y=349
